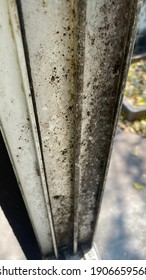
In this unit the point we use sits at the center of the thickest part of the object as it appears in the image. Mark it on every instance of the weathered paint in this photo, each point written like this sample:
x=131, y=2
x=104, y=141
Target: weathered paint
x=18, y=126
x=49, y=28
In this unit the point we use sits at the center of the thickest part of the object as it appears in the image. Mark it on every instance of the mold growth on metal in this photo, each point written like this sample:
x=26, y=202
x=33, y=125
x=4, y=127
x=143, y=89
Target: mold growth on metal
x=50, y=34
x=94, y=39
x=18, y=125
x=107, y=41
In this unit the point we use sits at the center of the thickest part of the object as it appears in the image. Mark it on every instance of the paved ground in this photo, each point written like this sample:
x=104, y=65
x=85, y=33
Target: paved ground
x=121, y=231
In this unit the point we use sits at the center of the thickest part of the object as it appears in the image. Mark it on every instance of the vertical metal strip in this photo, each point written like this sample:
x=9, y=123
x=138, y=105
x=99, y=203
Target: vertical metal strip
x=106, y=45
x=19, y=47
x=50, y=36
x=80, y=56
x=19, y=127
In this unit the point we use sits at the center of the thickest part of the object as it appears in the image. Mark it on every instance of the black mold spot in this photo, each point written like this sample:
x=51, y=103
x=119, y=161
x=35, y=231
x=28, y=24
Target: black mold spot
x=73, y=11
x=64, y=152
x=70, y=108
x=56, y=196
x=116, y=68
x=92, y=41
x=52, y=79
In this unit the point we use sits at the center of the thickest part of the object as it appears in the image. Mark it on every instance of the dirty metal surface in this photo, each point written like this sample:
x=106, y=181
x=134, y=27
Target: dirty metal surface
x=77, y=57
x=101, y=71
x=49, y=35
x=18, y=125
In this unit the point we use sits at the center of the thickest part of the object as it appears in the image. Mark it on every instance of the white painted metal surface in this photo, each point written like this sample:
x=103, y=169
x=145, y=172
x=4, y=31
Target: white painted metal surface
x=19, y=128
x=50, y=36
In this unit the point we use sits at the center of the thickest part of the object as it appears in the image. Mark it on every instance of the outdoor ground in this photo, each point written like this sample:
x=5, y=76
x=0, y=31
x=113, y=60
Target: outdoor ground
x=121, y=230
